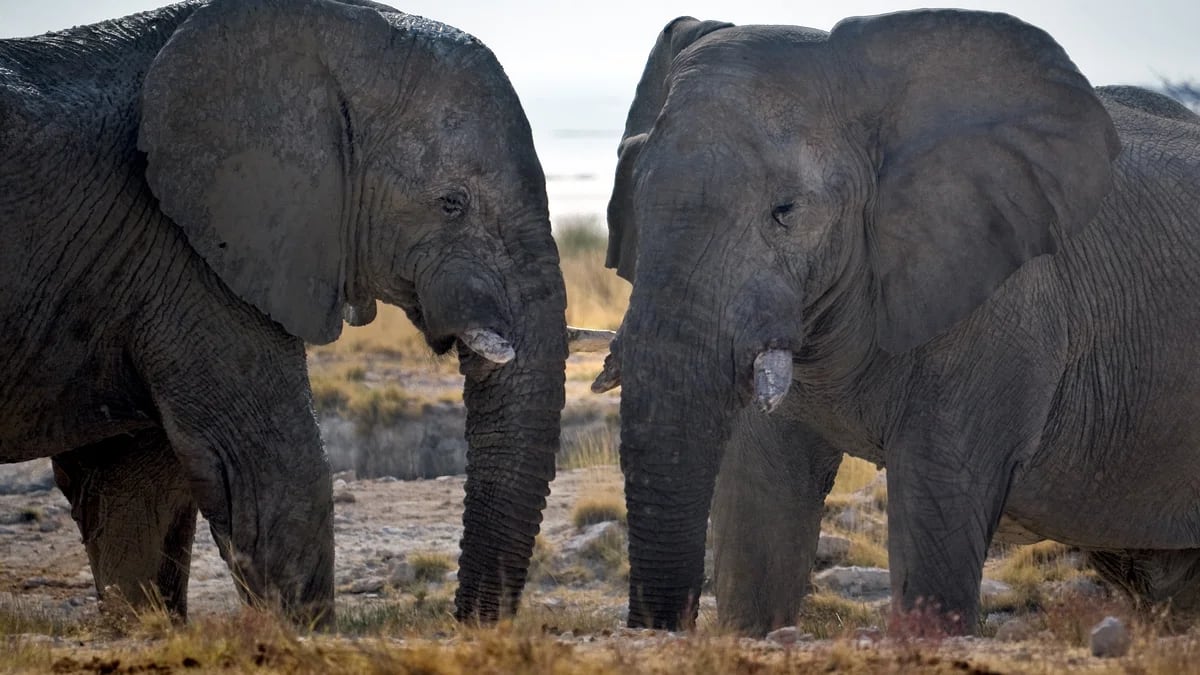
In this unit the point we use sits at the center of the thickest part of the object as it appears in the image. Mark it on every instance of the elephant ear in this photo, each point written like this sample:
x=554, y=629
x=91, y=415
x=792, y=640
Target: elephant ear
x=991, y=149
x=248, y=134
x=647, y=103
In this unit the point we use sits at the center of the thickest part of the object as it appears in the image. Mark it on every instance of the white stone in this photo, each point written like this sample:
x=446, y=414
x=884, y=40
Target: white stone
x=1110, y=638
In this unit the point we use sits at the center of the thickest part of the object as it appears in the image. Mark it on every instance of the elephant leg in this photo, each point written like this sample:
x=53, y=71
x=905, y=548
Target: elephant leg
x=943, y=509
x=766, y=519
x=238, y=412
x=133, y=505
x=1153, y=577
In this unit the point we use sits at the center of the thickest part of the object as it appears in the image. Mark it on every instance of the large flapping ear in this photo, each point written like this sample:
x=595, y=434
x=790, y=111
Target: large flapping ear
x=647, y=102
x=248, y=133
x=991, y=149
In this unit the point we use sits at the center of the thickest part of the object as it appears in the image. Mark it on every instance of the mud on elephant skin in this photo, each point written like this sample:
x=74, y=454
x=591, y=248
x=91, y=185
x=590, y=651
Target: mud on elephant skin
x=950, y=255
x=187, y=196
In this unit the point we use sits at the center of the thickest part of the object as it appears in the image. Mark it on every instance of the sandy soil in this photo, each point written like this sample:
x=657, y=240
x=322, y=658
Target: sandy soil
x=43, y=562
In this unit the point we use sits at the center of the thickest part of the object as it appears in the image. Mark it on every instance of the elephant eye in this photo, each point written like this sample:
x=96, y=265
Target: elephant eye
x=782, y=214
x=453, y=204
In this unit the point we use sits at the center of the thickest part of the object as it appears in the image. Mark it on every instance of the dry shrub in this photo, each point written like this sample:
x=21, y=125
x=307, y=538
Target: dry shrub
x=598, y=507
x=866, y=551
x=829, y=615
x=431, y=565
x=1026, y=568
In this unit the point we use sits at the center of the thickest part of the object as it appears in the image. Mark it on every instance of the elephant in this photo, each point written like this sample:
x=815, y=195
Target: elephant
x=923, y=239
x=187, y=197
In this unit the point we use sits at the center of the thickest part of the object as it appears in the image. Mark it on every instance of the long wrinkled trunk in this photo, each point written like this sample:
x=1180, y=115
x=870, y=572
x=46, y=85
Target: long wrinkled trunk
x=675, y=418
x=513, y=418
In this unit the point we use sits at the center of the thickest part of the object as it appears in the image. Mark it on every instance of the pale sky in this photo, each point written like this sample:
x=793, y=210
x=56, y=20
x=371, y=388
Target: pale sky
x=602, y=44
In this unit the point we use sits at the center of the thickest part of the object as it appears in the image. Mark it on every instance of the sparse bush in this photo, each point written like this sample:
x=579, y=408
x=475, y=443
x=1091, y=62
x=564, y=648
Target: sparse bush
x=379, y=408
x=829, y=615
x=421, y=613
x=581, y=234
x=329, y=397
x=430, y=566
x=356, y=374
x=598, y=507
x=866, y=552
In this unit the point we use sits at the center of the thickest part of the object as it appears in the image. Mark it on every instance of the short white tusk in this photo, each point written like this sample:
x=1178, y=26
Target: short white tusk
x=589, y=339
x=488, y=344
x=610, y=377
x=772, y=378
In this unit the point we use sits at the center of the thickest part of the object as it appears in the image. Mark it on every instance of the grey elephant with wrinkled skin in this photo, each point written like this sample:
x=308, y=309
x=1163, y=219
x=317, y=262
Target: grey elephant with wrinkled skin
x=922, y=239
x=186, y=197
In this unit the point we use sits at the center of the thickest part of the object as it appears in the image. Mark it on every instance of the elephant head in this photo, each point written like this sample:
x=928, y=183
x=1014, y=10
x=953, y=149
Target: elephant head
x=323, y=155
x=795, y=208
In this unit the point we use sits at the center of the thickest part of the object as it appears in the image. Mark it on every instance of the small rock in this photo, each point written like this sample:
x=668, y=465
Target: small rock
x=386, y=479
x=1110, y=638
x=344, y=497
x=848, y=519
x=788, y=635
x=1015, y=629
x=49, y=525
x=368, y=585
x=339, y=484
x=441, y=479
x=348, y=475
x=554, y=604
x=991, y=588
x=401, y=573
x=855, y=582
x=392, y=531
x=590, y=534
x=832, y=550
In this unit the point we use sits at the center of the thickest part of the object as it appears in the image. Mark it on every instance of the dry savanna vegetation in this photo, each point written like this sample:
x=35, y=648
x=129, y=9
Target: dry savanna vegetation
x=1043, y=603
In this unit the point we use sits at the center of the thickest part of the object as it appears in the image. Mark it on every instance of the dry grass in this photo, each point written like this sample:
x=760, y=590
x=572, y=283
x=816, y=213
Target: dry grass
x=853, y=475
x=431, y=565
x=596, y=506
x=596, y=296
x=593, y=448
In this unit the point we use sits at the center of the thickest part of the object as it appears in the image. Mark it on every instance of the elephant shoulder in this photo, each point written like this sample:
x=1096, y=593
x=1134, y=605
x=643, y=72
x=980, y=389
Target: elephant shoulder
x=1147, y=101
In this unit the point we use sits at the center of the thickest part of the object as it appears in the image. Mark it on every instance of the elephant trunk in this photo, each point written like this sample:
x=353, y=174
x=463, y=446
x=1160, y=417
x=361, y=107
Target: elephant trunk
x=513, y=424
x=676, y=414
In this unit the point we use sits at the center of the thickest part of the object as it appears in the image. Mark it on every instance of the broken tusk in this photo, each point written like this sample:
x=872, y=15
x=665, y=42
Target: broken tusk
x=772, y=378
x=489, y=345
x=610, y=377
x=588, y=339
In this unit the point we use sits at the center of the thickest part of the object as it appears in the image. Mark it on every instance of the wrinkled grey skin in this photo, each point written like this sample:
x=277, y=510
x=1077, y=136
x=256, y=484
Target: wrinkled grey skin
x=986, y=273
x=190, y=194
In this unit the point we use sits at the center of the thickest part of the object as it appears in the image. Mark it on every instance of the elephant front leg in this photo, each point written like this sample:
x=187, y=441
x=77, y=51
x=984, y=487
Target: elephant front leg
x=766, y=520
x=241, y=422
x=942, y=512
x=133, y=505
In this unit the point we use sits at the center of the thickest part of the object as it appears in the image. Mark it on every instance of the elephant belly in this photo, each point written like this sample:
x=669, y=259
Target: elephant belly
x=1137, y=489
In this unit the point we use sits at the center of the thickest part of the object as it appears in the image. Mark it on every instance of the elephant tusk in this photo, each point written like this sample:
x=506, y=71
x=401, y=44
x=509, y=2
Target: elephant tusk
x=488, y=344
x=610, y=377
x=772, y=378
x=588, y=339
